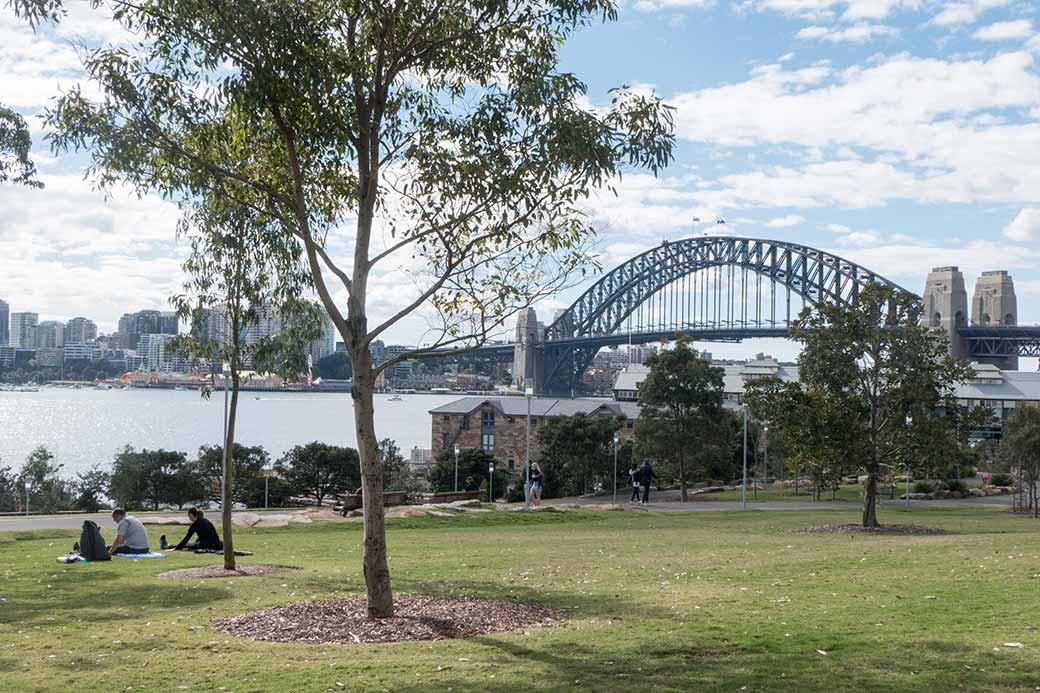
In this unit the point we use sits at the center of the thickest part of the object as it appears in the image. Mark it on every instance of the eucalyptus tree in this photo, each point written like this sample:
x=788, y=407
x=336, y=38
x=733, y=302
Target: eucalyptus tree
x=682, y=424
x=434, y=144
x=15, y=144
x=241, y=270
x=882, y=378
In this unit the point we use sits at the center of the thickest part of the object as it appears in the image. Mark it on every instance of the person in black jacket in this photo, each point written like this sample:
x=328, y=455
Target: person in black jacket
x=646, y=475
x=208, y=540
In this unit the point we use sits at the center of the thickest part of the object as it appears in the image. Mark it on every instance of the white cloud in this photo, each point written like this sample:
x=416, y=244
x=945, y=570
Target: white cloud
x=957, y=13
x=1025, y=226
x=655, y=5
x=837, y=228
x=1005, y=31
x=851, y=10
x=926, y=129
x=785, y=221
x=857, y=33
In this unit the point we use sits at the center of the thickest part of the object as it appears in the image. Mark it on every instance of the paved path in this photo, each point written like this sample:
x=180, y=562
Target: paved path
x=104, y=520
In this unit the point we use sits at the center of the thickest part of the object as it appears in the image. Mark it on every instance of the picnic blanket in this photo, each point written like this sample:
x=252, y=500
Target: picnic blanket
x=140, y=555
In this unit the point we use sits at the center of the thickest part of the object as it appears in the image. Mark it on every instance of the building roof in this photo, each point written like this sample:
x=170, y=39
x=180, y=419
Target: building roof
x=734, y=377
x=540, y=406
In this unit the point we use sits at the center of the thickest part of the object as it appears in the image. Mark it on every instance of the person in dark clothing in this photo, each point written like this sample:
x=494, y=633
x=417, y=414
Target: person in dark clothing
x=646, y=475
x=208, y=540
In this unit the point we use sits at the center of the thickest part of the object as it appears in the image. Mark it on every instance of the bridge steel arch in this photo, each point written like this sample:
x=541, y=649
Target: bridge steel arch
x=815, y=275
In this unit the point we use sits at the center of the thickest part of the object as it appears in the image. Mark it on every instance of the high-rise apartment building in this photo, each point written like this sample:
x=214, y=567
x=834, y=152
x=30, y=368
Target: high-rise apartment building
x=50, y=334
x=5, y=319
x=23, y=330
x=80, y=331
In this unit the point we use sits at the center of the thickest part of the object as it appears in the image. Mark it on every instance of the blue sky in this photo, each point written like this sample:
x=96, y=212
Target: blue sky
x=902, y=135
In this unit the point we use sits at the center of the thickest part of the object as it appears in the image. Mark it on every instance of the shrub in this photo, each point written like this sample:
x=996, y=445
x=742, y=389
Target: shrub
x=923, y=487
x=956, y=486
x=1001, y=480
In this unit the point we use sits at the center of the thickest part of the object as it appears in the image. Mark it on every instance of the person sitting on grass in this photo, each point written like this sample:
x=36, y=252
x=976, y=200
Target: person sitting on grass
x=130, y=534
x=208, y=540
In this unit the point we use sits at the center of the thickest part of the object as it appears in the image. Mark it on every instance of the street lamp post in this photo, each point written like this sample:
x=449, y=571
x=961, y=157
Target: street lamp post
x=909, y=421
x=491, y=482
x=765, y=454
x=743, y=483
x=267, y=476
x=456, y=468
x=529, y=393
x=615, y=467
x=226, y=372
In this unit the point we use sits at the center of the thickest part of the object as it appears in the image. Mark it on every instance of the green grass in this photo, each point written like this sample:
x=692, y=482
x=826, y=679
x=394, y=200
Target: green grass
x=771, y=495
x=657, y=601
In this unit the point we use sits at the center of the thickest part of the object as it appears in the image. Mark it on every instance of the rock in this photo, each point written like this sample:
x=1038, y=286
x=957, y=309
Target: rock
x=356, y=513
x=269, y=522
x=301, y=518
x=467, y=509
x=977, y=493
x=244, y=519
x=439, y=513
x=471, y=503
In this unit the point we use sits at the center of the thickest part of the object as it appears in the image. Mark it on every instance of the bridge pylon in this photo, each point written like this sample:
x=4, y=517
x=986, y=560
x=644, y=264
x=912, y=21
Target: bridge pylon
x=994, y=304
x=946, y=306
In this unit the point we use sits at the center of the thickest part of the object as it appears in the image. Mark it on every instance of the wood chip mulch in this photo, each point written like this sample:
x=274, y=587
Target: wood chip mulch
x=416, y=617
x=217, y=571
x=884, y=529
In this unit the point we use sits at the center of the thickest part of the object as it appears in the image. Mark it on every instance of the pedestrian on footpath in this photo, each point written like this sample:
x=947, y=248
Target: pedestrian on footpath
x=646, y=477
x=633, y=478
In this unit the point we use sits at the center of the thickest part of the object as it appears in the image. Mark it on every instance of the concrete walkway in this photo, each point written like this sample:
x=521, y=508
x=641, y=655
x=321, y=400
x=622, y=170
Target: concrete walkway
x=75, y=521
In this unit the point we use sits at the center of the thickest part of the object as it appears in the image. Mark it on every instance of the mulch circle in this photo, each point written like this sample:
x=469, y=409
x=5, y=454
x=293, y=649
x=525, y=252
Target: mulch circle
x=217, y=571
x=884, y=529
x=416, y=617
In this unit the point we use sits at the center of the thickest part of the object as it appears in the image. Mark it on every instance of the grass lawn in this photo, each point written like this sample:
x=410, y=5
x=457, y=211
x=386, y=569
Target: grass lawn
x=658, y=601
x=772, y=495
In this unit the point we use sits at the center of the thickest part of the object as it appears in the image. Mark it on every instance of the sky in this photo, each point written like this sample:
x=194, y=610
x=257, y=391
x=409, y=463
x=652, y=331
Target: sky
x=899, y=134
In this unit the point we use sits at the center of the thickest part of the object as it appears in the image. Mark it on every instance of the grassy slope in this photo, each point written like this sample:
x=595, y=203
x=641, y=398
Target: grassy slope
x=706, y=601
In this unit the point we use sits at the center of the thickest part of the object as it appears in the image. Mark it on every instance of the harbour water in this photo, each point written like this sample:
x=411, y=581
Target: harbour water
x=86, y=427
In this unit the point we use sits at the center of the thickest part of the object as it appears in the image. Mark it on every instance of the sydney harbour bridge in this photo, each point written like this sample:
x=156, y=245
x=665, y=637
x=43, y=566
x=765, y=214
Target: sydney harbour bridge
x=727, y=289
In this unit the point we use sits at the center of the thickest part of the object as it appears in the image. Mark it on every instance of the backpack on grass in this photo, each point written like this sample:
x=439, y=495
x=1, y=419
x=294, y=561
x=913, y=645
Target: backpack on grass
x=91, y=544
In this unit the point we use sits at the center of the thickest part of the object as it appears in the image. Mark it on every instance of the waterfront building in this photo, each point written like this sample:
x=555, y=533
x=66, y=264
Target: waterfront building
x=80, y=331
x=499, y=425
x=133, y=325
x=49, y=357
x=23, y=330
x=83, y=351
x=50, y=334
x=155, y=353
x=5, y=320
x=402, y=371
x=325, y=345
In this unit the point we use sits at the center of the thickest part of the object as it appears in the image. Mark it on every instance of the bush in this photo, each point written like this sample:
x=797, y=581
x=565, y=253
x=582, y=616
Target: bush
x=1001, y=480
x=956, y=487
x=923, y=487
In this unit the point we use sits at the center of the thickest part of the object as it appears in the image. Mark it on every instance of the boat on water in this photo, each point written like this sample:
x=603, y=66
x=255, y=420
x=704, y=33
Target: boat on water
x=395, y=398
x=19, y=388
x=102, y=386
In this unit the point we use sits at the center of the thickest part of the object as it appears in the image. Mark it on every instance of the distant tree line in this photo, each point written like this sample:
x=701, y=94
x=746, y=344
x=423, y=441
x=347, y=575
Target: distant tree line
x=156, y=479
x=77, y=369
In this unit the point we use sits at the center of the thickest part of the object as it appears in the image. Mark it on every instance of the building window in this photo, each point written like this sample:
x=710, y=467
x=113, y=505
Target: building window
x=512, y=465
x=447, y=418
x=629, y=424
x=487, y=430
x=464, y=426
x=512, y=420
x=444, y=439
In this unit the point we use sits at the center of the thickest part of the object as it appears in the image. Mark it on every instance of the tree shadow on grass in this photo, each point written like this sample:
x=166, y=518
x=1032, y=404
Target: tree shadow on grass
x=574, y=604
x=101, y=596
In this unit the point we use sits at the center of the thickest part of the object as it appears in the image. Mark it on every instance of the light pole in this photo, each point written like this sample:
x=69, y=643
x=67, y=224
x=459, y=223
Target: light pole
x=491, y=481
x=743, y=483
x=615, y=467
x=529, y=393
x=27, y=496
x=267, y=476
x=909, y=421
x=765, y=454
x=226, y=372
x=456, y=468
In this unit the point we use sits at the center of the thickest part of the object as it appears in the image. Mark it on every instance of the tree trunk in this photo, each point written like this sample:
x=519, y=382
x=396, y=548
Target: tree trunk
x=229, y=468
x=870, y=501
x=682, y=484
x=377, y=572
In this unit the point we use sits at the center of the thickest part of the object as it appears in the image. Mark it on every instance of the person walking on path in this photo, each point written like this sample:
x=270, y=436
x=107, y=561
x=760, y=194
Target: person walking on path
x=537, y=478
x=633, y=478
x=208, y=539
x=646, y=476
